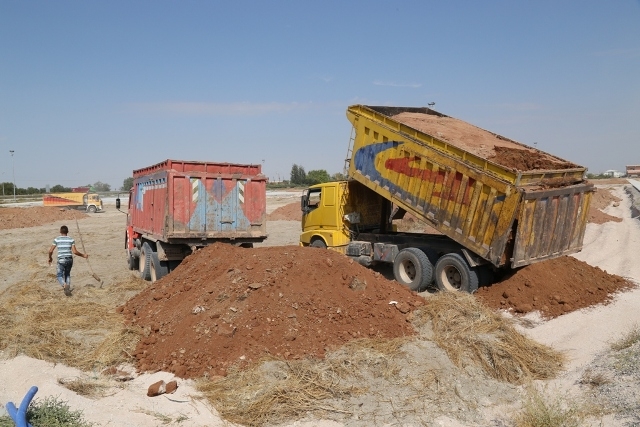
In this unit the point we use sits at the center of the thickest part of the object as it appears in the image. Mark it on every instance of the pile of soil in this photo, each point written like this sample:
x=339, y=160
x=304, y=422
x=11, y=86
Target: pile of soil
x=527, y=160
x=34, y=216
x=601, y=199
x=482, y=143
x=226, y=306
x=553, y=287
x=290, y=212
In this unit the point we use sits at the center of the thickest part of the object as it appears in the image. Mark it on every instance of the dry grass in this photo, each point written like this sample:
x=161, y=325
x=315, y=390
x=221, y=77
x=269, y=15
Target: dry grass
x=274, y=392
x=627, y=340
x=377, y=357
x=471, y=333
x=593, y=378
x=83, y=331
x=277, y=390
x=89, y=387
x=552, y=410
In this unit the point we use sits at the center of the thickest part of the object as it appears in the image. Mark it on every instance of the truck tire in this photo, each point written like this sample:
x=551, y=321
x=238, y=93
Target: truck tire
x=133, y=261
x=92, y=209
x=413, y=269
x=454, y=274
x=318, y=243
x=144, y=265
x=159, y=269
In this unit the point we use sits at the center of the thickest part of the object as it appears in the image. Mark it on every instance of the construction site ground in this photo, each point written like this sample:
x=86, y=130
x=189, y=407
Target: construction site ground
x=226, y=309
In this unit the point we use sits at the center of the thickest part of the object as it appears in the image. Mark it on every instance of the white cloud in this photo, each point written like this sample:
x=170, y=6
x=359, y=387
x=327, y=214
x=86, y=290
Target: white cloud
x=215, y=109
x=394, y=84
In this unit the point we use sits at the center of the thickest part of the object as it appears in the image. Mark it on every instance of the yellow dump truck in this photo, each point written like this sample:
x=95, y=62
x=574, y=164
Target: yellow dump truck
x=494, y=204
x=90, y=202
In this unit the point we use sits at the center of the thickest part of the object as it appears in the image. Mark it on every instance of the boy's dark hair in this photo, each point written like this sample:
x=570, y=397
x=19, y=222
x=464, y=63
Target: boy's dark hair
x=64, y=229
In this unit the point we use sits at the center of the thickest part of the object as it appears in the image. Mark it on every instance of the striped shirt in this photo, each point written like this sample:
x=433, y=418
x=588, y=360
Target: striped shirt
x=64, y=244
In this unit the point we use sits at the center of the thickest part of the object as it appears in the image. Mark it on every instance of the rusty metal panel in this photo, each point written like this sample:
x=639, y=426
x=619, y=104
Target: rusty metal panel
x=551, y=223
x=192, y=200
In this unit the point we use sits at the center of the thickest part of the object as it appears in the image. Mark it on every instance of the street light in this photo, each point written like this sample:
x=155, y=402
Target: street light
x=14, y=175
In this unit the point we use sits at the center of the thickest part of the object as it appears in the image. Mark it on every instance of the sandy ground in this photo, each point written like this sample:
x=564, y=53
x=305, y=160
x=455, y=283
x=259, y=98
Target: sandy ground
x=583, y=335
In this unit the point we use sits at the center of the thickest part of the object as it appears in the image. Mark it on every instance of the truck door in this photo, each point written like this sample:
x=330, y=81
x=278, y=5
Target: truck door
x=321, y=207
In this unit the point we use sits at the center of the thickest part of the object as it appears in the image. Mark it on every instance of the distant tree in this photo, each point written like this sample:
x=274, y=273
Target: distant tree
x=60, y=189
x=127, y=184
x=7, y=188
x=338, y=176
x=298, y=175
x=101, y=186
x=597, y=176
x=317, y=177
x=33, y=190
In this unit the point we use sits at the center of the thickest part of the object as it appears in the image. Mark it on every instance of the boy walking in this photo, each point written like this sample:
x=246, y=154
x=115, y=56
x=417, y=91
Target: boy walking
x=66, y=249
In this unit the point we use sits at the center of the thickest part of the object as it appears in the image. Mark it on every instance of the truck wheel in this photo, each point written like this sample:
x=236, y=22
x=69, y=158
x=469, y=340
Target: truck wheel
x=318, y=243
x=92, y=209
x=133, y=261
x=413, y=269
x=159, y=269
x=454, y=274
x=144, y=265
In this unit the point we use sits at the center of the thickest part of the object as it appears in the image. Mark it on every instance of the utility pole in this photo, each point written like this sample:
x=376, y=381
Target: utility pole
x=14, y=175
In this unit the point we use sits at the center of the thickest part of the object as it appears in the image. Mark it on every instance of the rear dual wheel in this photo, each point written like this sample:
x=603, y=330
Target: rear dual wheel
x=413, y=269
x=453, y=273
x=144, y=265
x=158, y=269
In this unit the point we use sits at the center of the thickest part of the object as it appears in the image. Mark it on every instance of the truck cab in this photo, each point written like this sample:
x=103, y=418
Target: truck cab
x=322, y=222
x=92, y=202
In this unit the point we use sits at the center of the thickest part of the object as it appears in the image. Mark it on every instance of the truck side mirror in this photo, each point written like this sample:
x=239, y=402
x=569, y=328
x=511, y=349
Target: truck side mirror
x=117, y=202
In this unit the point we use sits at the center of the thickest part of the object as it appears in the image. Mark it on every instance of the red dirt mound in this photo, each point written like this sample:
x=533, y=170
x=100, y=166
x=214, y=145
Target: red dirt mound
x=553, y=287
x=227, y=306
x=601, y=199
x=290, y=212
x=34, y=216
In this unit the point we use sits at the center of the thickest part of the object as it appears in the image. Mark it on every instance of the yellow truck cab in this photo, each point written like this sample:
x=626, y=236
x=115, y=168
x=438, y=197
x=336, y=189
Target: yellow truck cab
x=333, y=212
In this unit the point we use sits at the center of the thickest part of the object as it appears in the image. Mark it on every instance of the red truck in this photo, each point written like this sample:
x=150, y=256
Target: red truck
x=177, y=207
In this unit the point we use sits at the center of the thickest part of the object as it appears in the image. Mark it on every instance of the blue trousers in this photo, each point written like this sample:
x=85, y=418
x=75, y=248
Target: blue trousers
x=64, y=271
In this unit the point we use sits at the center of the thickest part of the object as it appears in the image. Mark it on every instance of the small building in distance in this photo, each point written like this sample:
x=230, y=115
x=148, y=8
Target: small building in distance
x=613, y=173
x=633, y=171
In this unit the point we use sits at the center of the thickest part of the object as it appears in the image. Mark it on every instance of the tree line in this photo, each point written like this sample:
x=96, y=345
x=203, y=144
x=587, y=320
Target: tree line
x=7, y=189
x=317, y=176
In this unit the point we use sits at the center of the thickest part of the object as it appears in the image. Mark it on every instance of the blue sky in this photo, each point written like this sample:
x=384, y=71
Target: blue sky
x=90, y=90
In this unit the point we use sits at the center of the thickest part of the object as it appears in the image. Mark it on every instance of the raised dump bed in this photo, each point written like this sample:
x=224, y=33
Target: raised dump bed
x=508, y=203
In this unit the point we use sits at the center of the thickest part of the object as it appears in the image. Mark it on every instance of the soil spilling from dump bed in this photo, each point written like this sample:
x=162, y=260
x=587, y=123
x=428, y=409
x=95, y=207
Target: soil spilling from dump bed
x=553, y=287
x=227, y=306
x=34, y=216
x=482, y=143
